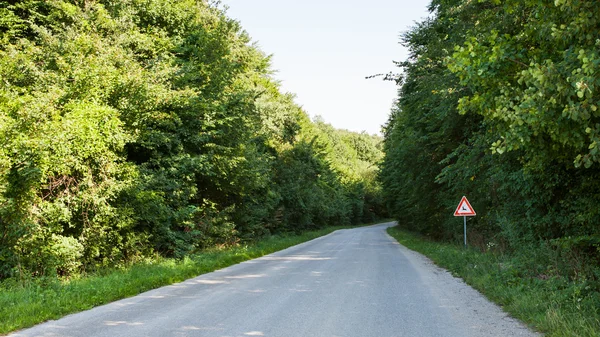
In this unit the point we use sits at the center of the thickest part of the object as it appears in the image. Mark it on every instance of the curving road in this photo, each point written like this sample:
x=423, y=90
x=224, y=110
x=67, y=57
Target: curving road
x=352, y=283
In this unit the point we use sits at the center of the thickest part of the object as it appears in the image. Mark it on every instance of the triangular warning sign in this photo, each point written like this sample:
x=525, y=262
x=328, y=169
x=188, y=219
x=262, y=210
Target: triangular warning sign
x=464, y=208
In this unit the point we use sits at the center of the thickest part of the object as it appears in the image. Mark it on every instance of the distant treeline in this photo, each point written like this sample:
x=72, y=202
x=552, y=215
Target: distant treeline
x=500, y=101
x=133, y=128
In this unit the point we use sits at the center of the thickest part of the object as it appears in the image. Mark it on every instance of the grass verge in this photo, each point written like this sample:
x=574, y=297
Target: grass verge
x=557, y=306
x=22, y=307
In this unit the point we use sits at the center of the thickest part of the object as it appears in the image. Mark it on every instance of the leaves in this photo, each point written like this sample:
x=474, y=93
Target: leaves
x=498, y=102
x=137, y=127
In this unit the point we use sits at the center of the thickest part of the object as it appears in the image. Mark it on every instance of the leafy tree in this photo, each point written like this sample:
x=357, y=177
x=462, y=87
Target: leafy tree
x=532, y=77
x=497, y=101
x=137, y=127
x=425, y=133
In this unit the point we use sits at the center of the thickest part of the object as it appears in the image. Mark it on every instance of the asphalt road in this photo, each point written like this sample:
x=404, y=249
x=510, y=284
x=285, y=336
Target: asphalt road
x=352, y=283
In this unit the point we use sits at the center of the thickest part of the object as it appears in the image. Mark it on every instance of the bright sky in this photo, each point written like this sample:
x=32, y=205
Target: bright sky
x=323, y=50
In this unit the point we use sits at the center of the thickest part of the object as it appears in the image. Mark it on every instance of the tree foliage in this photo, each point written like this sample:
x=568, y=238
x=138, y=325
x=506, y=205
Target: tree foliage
x=137, y=127
x=498, y=101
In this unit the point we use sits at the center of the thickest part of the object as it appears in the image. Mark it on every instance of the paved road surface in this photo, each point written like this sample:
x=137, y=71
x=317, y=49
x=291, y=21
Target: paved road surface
x=351, y=283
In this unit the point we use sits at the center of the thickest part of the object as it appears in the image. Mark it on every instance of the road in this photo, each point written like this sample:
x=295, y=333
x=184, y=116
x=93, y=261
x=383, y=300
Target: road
x=352, y=283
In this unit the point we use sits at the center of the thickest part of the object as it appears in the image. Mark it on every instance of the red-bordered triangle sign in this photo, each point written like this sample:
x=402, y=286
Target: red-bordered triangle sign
x=464, y=208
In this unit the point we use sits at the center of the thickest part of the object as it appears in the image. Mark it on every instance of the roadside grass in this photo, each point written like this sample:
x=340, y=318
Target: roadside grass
x=554, y=305
x=42, y=300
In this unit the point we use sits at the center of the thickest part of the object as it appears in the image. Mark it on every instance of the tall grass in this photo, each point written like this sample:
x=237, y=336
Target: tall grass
x=556, y=305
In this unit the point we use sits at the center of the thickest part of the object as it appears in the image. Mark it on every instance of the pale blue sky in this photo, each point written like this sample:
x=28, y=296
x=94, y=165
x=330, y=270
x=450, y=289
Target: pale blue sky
x=323, y=50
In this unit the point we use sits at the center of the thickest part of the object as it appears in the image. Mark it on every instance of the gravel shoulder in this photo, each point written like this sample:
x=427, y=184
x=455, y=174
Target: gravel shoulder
x=478, y=315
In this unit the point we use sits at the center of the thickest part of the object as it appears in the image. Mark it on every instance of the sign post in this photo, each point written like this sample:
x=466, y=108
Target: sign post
x=464, y=209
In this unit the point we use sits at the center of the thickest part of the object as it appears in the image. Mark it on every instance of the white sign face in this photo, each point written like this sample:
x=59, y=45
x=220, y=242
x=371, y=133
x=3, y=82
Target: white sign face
x=464, y=208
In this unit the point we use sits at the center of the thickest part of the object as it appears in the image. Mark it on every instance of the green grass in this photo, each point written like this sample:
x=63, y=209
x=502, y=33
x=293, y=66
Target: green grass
x=39, y=301
x=555, y=305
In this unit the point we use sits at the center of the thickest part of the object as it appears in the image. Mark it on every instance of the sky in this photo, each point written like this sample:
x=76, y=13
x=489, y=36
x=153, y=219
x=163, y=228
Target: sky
x=323, y=50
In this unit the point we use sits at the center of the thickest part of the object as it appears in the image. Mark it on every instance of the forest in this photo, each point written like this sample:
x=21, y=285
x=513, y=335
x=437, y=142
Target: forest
x=136, y=128
x=141, y=128
x=499, y=101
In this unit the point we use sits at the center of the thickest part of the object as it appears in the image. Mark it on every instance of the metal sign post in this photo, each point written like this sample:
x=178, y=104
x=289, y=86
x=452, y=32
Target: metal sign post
x=465, y=217
x=464, y=209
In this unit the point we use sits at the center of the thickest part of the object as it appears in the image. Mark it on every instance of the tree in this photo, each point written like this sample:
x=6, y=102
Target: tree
x=137, y=127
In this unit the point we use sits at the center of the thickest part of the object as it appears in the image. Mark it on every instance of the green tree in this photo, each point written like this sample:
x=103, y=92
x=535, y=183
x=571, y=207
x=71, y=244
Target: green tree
x=137, y=127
